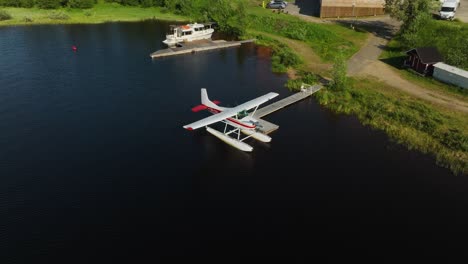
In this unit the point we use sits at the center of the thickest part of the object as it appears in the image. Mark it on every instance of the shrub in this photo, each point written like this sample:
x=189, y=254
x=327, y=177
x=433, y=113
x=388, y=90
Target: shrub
x=309, y=78
x=27, y=19
x=58, y=15
x=130, y=2
x=48, y=4
x=340, y=80
x=26, y=3
x=15, y=3
x=4, y=15
x=80, y=3
x=147, y=3
x=294, y=85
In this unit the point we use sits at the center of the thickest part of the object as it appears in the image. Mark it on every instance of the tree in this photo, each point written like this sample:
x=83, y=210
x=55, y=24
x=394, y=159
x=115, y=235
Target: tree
x=230, y=15
x=15, y=3
x=48, y=4
x=407, y=10
x=80, y=3
x=340, y=80
x=26, y=3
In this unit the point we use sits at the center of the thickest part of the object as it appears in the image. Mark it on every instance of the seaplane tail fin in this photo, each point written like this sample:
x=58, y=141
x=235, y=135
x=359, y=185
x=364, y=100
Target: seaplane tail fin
x=206, y=101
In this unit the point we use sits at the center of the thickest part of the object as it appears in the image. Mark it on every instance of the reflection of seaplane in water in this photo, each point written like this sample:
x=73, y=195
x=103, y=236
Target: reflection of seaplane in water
x=236, y=117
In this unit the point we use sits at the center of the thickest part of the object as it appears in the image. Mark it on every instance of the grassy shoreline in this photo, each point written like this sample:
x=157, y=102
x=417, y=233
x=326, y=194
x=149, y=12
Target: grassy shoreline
x=411, y=122
x=100, y=13
x=406, y=120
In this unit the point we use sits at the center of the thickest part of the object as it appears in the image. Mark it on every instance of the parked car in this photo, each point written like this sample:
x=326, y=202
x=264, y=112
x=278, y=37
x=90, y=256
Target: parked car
x=448, y=9
x=279, y=1
x=276, y=5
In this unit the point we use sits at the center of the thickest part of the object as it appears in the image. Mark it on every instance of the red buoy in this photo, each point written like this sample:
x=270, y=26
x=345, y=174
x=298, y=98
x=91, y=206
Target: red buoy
x=74, y=48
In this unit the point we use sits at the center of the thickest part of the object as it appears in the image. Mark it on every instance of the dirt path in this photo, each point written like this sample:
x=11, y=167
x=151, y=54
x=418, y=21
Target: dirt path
x=384, y=73
x=366, y=61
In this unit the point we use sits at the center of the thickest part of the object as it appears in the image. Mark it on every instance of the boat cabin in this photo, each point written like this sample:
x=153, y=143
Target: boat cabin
x=189, y=29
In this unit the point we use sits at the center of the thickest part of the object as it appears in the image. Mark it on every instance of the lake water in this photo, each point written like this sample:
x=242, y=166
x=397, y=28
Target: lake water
x=95, y=165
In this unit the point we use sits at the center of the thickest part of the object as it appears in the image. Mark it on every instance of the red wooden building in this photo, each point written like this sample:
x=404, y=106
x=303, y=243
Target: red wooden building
x=422, y=60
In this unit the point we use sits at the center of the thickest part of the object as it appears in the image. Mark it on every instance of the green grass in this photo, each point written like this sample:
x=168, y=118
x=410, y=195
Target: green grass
x=408, y=121
x=282, y=57
x=327, y=40
x=101, y=12
x=394, y=55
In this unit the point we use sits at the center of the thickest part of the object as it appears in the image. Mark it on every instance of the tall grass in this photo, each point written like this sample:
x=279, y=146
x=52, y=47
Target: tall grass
x=406, y=120
x=282, y=56
x=324, y=39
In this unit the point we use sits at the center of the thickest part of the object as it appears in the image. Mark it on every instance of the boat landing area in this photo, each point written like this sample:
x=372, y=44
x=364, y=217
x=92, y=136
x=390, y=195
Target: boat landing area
x=197, y=46
x=266, y=127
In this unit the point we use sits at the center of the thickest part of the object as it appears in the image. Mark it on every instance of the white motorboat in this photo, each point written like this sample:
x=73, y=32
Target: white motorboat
x=188, y=32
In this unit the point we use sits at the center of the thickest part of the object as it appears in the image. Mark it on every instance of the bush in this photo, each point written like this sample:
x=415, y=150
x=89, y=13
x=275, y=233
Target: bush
x=4, y=15
x=15, y=3
x=27, y=19
x=294, y=85
x=340, y=80
x=80, y=3
x=48, y=4
x=58, y=15
x=148, y=3
x=26, y=3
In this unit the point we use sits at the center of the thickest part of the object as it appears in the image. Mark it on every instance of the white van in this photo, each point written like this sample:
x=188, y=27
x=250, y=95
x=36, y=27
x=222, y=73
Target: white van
x=448, y=9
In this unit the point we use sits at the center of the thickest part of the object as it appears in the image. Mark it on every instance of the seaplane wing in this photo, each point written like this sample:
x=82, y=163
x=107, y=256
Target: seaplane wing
x=230, y=112
x=211, y=119
x=254, y=102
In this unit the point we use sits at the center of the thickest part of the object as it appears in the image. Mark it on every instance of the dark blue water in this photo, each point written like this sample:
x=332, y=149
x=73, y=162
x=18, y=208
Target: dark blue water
x=96, y=167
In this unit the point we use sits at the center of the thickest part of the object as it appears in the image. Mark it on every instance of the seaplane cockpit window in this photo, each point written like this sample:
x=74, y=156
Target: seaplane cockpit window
x=242, y=114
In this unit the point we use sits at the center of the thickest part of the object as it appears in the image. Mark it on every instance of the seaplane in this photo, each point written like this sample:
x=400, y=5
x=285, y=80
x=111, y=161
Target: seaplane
x=237, y=120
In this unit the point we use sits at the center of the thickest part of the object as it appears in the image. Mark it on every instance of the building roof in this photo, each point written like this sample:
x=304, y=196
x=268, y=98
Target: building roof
x=357, y=3
x=427, y=55
x=451, y=69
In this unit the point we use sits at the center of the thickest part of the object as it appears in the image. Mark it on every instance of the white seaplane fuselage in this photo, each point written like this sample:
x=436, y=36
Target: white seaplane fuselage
x=247, y=124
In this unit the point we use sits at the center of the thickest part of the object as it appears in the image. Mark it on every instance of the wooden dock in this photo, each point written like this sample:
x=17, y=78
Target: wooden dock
x=267, y=127
x=197, y=46
x=287, y=101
